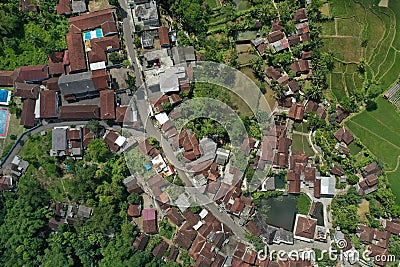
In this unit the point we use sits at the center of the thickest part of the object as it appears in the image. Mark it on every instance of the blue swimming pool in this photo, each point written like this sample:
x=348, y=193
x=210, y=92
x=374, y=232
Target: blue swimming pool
x=98, y=33
x=4, y=119
x=3, y=95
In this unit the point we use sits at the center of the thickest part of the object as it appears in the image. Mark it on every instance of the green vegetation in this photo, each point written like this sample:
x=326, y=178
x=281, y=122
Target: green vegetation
x=98, y=150
x=300, y=143
x=166, y=229
x=303, y=204
x=378, y=129
x=28, y=38
x=344, y=210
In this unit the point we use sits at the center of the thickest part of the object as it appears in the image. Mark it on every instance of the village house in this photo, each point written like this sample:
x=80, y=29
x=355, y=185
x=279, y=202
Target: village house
x=149, y=221
x=6, y=182
x=304, y=228
x=114, y=141
x=66, y=142
x=18, y=166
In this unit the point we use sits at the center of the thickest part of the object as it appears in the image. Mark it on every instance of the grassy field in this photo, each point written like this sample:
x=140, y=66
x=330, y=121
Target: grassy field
x=379, y=131
x=300, y=143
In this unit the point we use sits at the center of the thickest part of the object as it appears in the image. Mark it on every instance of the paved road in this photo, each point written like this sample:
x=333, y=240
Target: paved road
x=129, y=29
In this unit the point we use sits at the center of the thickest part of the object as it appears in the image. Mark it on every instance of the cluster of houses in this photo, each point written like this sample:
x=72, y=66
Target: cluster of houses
x=54, y=91
x=13, y=172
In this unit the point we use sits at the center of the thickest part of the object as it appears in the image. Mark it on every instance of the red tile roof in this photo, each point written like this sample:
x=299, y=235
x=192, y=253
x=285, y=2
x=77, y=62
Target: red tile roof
x=100, y=79
x=134, y=210
x=6, y=78
x=107, y=105
x=163, y=35
x=110, y=139
x=52, y=84
x=120, y=114
x=305, y=227
x=48, y=104
x=28, y=113
x=64, y=7
x=26, y=90
x=100, y=45
x=76, y=52
x=317, y=188
x=79, y=112
x=109, y=27
x=32, y=73
x=275, y=36
x=91, y=20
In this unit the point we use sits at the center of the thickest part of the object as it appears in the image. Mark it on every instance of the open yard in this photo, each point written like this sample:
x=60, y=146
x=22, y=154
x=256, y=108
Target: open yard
x=300, y=143
x=379, y=131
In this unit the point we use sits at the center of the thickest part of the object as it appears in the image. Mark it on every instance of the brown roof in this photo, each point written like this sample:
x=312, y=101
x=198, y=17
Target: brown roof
x=141, y=241
x=173, y=253
x=109, y=27
x=91, y=20
x=275, y=36
x=79, y=112
x=372, y=168
x=273, y=73
x=197, y=246
x=294, y=186
x=5, y=183
x=100, y=79
x=110, y=139
x=63, y=7
x=185, y=236
x=159, y=250
x=120, y=114
x=150, y=226
x=294, y=39
x=321, y=112
x=311, y=106
x=341, y=114
x=371, y=180
x=26, y=90
x=134, y=210
x=294, y=86
x=317, y=188
x=300, y=14
x=163, y=35
x=277, y=25
x=52, y=84
x=28, y=113
x=56, y=65
x=107, y=105
x=32, y=73
x=76, y=52
x=6, y=77
x=392, y=227
x=305, y=37
x=175, y=217
x=100, y=45
x=296, y=112
x=48, y=104
x=306, y=54
x=305, y=227
x=310, y=174
x=253, y=228
x=337, y=170
x=344, y=135
x=175, y=98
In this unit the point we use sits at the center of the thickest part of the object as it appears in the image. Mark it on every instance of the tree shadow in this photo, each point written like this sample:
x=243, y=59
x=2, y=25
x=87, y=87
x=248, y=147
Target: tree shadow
x=371, y=105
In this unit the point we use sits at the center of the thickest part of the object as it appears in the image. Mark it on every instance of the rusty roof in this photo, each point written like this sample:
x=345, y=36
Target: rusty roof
x=48, y=104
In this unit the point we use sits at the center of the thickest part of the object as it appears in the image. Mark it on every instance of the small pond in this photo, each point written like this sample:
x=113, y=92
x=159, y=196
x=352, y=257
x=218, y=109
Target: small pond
x=319, y=213
x=279, y=211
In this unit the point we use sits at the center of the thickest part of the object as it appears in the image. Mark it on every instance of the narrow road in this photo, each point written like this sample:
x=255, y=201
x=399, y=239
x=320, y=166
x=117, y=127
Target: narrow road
x=128, y=30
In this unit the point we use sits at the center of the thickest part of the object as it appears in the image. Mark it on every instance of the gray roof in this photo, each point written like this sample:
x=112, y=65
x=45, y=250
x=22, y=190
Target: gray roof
x=59, y=139
x=78, y=83
x=84, y=211
x=182, y=54
x=169, y=80
x=327, y=185
x=79, y=6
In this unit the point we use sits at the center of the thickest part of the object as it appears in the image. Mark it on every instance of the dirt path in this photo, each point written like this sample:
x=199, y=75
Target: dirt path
x=397, y=166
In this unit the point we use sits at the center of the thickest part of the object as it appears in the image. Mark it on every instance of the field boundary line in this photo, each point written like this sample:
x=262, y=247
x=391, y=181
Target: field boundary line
x=368, y=130
x=397, y=166
x=382, y=123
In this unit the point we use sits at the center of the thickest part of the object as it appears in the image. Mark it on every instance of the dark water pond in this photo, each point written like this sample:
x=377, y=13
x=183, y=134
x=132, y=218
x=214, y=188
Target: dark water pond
x=279, y=211
x=319, y=214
